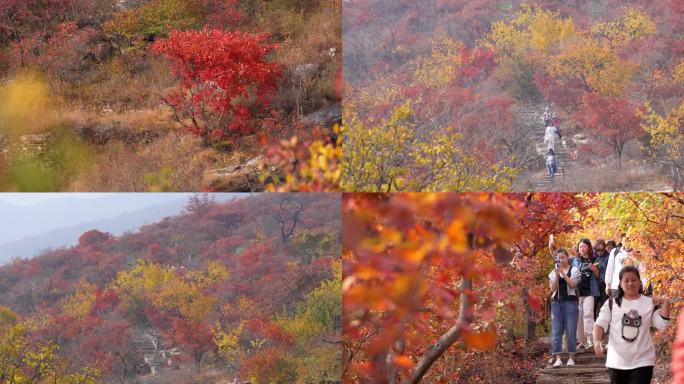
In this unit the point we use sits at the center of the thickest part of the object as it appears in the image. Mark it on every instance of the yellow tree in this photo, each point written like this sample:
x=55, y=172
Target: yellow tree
x=150, y=284
x=633, y=24
x=666, y=134
x=438, y=69
x=524, y=45
x=449, y=166
x=29, y=360
x=595, y=65
x=376, y=157
x=78, y=304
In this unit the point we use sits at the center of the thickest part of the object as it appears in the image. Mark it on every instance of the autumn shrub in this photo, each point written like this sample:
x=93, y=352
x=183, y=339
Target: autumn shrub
x=219, y=94
x=157, y=18
x=517, y=364
x=313, y=164
x=268, y=366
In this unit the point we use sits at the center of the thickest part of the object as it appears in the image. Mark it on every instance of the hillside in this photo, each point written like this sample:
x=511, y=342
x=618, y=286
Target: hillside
x=246, y=289
x=132, y=95
x=448, y=95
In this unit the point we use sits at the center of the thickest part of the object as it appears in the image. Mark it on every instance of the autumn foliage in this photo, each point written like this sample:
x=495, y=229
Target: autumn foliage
x=130, y=79
x=433, y=280
x=440, y=93
x=223, y=77
x=216, y=288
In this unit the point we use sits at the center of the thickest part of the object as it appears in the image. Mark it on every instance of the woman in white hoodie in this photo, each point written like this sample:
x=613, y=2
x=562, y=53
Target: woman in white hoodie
x=629, y=316
x=621, y=257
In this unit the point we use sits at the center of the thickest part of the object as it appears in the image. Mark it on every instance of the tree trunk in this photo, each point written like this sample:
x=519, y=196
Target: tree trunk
x=447, y=339
x=531, y=328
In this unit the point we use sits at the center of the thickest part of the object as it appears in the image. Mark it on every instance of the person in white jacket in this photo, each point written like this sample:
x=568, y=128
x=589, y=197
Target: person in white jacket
x=629, y=316
x=619, y=258
x=550, y=137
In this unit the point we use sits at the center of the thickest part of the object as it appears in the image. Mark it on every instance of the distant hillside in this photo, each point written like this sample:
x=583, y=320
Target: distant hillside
x=130, y=221
x=249, y=288
x=69, y=225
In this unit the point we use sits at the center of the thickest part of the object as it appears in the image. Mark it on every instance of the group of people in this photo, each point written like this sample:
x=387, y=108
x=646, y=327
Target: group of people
x=551, y=123
x=601, y=290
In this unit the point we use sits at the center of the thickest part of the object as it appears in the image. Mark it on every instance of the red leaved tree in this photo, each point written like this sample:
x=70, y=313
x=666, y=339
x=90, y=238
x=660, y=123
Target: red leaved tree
x=614, y=119
x=225, y=78
x=194, y=338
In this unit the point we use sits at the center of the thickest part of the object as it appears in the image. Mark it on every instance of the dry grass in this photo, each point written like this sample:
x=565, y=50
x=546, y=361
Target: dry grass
x=308, y=43
x=158, y=119
x=122, y=167
x=131, y=81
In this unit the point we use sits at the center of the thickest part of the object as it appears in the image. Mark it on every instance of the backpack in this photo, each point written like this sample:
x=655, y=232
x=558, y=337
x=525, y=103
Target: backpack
x=584, y=286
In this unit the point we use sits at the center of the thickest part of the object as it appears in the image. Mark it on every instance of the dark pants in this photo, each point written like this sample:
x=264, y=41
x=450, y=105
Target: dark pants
x=602, y=299
x=641, y=375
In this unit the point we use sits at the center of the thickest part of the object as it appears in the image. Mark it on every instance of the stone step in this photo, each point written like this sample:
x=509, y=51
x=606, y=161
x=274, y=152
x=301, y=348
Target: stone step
x=581, y=368
x=598, y=379
x=589, y=358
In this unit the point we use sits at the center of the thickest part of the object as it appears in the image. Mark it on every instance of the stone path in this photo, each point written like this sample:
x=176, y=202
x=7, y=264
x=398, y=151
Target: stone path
x=588, y=369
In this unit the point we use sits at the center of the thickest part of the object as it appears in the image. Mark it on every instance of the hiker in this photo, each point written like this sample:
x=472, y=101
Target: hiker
x=602, y=254
x=629, y=316
x=587, y=291
x=551, y=164
x=546, y=117
x=563, y=281
x=550, y=137
x=620, y=257
x=555, y=121
x=610, y=245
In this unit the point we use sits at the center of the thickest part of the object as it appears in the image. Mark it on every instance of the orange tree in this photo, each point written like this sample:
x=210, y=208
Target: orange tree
x=425, y=272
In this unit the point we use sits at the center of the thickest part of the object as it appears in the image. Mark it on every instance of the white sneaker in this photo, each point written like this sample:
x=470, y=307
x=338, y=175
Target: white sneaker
x=570, y=362
x=558, y=363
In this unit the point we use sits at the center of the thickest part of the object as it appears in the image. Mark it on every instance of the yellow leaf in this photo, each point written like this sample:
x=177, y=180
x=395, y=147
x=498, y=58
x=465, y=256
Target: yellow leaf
x=457, y=235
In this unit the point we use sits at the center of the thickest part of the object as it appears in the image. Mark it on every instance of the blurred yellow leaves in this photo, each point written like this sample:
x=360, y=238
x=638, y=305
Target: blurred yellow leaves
x=42, y=153
x=26, y=106
x=457, y=235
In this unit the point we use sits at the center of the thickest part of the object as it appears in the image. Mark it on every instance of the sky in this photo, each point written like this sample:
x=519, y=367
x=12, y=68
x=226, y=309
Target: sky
x=31, y=198
x=27, y=214
x=31, y=223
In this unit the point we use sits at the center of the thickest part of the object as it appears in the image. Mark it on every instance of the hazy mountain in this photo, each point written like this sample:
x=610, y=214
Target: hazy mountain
x=21, y=220
x=60, y=222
